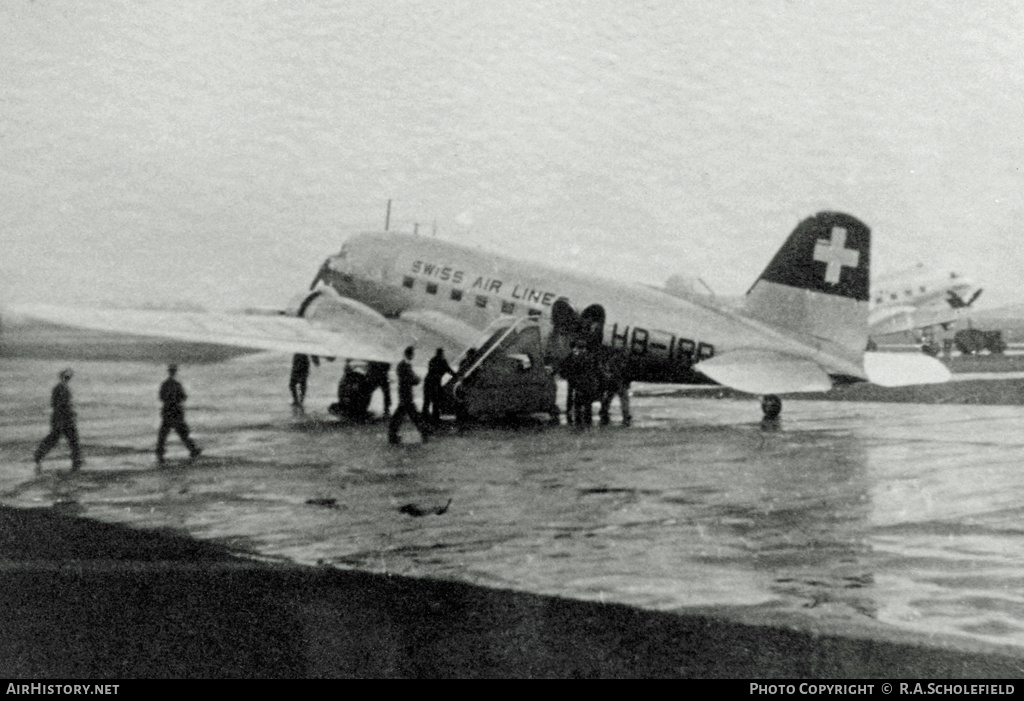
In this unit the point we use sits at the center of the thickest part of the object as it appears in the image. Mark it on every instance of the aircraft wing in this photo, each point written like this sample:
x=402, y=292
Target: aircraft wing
x=458, y=334
x=351, y=330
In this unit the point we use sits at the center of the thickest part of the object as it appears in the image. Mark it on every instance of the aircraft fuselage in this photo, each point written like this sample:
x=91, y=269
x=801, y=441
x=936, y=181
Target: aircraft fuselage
x=665, y=337
x=921, y=287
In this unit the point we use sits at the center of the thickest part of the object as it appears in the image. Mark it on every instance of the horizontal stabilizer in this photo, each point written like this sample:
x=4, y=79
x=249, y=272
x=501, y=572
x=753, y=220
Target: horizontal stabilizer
x=899, y=369
x=765, y=372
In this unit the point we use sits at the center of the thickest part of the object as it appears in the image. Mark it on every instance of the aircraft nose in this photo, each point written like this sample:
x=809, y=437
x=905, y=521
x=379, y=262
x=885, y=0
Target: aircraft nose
x=333, y=266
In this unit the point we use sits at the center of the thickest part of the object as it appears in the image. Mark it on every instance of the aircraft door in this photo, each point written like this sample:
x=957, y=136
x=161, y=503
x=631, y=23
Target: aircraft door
x=569, y=327
x=592, y=330
x=564, y=326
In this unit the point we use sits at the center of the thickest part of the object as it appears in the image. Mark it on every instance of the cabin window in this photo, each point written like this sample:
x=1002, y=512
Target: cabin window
x=481, y=301
x=457, y=295
x=431, y=288
x=893, y=295
x=535, y=312
x=507, y=307
x=407, y=282
x=922, y=288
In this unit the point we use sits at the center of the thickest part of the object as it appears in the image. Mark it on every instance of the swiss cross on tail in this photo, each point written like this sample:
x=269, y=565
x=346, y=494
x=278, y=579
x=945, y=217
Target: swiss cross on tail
x=829, y=253
x=835, y=255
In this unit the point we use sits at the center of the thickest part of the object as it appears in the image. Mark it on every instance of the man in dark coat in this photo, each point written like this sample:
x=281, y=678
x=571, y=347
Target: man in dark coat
x=615, y=382
x=567, y=369
x=62, y=423
x=377, y=378
x=299, y=377
x=771, y=407
x=581, y=371
x=407, y=379
x=172, y=394
x=437, y=368
x=353, y=393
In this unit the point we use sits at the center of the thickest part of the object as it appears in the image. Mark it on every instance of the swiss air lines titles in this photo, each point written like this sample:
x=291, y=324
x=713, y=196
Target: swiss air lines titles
x=444, y=273
x=483, y=283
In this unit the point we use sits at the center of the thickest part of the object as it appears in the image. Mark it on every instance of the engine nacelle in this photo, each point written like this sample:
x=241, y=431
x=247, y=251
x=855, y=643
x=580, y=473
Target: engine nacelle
x=327, y=309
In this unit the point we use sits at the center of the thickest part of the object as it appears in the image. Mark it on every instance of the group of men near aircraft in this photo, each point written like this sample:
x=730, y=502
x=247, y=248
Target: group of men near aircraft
x=595, y=374
x=592, y=375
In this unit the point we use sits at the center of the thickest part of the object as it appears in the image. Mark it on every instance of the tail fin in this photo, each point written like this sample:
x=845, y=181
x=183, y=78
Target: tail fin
x=817, y=284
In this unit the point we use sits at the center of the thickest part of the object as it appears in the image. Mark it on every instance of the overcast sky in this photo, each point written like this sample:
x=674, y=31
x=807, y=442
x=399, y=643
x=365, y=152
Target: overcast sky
x=214, y=152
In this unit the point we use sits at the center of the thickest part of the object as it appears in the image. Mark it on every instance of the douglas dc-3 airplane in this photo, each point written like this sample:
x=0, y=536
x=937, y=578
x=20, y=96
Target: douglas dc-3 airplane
x=918, y=298
x=803, y=327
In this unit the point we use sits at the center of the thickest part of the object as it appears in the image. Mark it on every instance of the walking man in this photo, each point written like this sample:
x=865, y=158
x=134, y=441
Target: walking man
x=437, y=368
x=407, y=379
x=62, y=423
x=172, y=416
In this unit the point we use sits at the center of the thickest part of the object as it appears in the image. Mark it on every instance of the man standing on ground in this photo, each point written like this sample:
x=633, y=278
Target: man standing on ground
x=377, y=378
x=437, y=368
x=172, y=394
x=615, y=383
x=771, y=407
x=580, y=370
x=407, y=379
x=62, y=423
x=299, y=376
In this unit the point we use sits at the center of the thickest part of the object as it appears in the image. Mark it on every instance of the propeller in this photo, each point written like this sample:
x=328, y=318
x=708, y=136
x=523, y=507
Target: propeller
x=321, y=274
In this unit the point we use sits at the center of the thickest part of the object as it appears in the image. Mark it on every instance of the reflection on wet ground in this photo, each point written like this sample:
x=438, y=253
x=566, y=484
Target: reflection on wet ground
x=904, y=514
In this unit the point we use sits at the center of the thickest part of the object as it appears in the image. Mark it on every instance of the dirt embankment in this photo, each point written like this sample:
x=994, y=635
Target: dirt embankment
x=81, y=599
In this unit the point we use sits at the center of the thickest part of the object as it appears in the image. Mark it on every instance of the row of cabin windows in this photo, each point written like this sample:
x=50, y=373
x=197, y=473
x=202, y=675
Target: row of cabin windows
x=456, y=295
x=893, y=295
